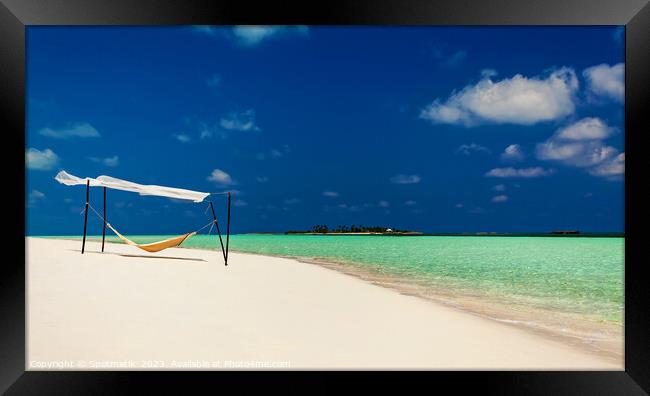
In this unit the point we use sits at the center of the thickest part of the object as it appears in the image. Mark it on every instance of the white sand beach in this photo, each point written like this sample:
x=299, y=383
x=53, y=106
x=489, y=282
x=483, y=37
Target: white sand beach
x=183, y=309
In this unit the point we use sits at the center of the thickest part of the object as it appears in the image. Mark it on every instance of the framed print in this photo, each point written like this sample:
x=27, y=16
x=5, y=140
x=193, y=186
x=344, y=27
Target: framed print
x=232, y=189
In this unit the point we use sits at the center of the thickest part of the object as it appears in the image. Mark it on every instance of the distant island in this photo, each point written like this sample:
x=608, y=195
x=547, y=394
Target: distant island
x=353, y=230
x=364, y=230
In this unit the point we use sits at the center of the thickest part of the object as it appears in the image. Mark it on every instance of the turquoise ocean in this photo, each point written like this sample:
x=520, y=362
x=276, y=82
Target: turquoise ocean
x=570, y=286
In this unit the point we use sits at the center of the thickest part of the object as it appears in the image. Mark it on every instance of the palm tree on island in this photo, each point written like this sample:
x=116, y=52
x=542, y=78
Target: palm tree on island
x=353, y=230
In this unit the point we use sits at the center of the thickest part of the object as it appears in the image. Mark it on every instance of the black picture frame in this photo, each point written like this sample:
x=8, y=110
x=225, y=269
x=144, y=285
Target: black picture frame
x=15, y=15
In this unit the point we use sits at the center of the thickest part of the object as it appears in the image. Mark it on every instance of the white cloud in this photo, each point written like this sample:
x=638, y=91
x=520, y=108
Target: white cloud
x=588, y=128
x=405, y=179
x=207, y=131
x=202, y=129
x=262, y=179
x=292, y=201
x=108, y=161
x=252, y=35
x=521, y=172
x=206, y=29
x=220, y=177
x=40, y=160
x=467, y=149
x=581, y=145
x=383, y=204
x=581, y=154
x=513, y=152
x=606, y=81
x=500, y=198
x=244, y=121
x=410, y=202
x=182, y=137
x=517, y=100
x=274, y=153
x=79, y=129
x=458, y=205
x=331, y=194
x=34, y=196
x=499, y=187
x=612, y=167
x=213, y=81
x=111, y=161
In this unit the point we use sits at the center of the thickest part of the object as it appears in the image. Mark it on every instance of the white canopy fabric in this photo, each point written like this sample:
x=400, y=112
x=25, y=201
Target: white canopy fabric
x=64, y=177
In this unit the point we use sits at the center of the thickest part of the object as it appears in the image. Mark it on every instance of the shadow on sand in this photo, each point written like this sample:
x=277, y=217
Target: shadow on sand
x=141, y=255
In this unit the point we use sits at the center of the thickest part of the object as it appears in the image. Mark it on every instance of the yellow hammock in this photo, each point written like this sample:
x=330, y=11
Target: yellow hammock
x=155, y=246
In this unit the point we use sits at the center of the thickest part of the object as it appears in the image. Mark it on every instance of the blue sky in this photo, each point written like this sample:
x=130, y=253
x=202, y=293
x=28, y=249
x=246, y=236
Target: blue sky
x=437, y=129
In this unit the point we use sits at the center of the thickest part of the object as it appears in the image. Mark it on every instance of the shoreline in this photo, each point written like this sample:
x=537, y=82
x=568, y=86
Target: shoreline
x=462, y=305
x=422, y=234
x=612, y=350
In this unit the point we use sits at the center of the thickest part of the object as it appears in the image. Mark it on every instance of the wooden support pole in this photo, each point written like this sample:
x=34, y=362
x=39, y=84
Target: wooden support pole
x=83, y=243
x=104, y=229
x=214, y=217
x=228, y=229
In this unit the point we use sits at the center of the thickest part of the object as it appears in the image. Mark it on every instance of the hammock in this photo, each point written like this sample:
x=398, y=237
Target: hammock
x=145, y=189
x=154, y=246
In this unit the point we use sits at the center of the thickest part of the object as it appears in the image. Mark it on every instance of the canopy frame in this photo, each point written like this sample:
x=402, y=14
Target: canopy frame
x=169, y=192
x=64, y=177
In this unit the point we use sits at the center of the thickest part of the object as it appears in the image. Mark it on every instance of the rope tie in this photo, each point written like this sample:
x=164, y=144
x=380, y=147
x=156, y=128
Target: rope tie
x=200, y=229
